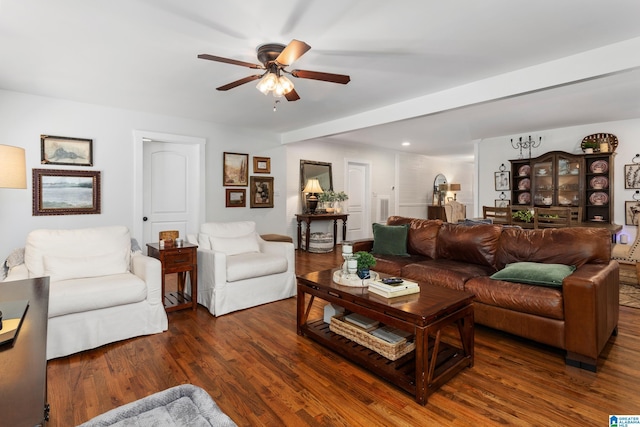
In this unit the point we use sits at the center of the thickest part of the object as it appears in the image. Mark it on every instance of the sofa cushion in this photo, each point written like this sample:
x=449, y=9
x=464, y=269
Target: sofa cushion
x=250, y=265
x=422, y=234
x=475, y=244
x=235, y=245
x=531, y=299
x=80, y=295
x=64, y=267
x=570, y=246
x=85, y=242
x=535, y=273
x=390, y=239
x=444, y=272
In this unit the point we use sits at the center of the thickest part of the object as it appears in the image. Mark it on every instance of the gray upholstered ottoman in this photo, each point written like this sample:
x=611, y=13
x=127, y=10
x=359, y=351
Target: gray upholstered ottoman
x=184, y=405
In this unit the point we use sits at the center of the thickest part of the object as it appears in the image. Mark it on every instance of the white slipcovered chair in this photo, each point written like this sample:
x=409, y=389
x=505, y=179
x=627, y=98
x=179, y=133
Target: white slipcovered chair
x=237, y=269
x=100, y=291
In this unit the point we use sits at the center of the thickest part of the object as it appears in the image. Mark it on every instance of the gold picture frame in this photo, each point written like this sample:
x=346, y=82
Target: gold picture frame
x=236, y=198
x=261, y=192
x=65, y=192
x=261, y=164
x=235, y=170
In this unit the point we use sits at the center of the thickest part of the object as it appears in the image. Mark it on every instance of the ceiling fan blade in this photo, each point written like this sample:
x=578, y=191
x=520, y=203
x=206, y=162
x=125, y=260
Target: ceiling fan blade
x=293, y=51
x=325, y=77
x=292, y=96
x=239, y=82
x=230, y=61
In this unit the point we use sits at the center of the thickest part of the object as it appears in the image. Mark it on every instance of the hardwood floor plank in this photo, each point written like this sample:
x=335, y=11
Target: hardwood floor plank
x=261, y=373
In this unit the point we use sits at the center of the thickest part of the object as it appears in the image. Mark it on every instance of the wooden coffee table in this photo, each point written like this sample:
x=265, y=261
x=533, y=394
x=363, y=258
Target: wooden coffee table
x=425, y=315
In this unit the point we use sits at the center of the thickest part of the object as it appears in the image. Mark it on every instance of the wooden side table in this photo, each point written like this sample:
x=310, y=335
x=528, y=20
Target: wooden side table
x=308, y=218
x=178, y=259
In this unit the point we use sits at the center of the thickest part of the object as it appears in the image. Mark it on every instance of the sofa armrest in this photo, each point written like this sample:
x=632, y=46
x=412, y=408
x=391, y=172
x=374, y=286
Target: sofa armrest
x=284, y=249
x=18, y=272
x=150, y=270
x=365, y=245
x=591, y=309
x=212, y=266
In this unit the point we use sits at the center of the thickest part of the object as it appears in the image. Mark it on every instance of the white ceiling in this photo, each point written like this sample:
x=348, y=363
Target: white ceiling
x=142, y=55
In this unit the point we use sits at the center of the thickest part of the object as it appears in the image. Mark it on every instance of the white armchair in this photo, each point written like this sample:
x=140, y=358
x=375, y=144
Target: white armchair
x=100, y=290
x=237, y=269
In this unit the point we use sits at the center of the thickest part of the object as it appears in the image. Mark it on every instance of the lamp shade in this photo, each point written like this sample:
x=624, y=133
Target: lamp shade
x=454, y=187
x=313, y=186
x=13, y=171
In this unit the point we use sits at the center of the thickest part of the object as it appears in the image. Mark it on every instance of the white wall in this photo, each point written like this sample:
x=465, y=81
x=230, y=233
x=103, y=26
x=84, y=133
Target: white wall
x=495, y=151
x=386, y=166
x=25, y=117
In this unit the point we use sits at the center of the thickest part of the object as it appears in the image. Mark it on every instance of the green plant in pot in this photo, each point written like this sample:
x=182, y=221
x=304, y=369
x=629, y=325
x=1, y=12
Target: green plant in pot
x=365, y=262
x=525, y=215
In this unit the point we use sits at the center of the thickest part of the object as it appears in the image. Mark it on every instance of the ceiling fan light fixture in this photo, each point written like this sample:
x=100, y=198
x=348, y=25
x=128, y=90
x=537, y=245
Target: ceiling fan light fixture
x=267, y=83
x=285, y=84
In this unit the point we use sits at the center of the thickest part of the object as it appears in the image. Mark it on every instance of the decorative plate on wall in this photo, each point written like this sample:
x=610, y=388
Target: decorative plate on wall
x=524, y=170
x=599, y=182
x=524, y=198
x=599, y=198
x=599, y=166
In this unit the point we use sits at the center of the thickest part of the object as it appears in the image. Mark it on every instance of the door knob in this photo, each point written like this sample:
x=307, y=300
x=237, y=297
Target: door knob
x=144, y=218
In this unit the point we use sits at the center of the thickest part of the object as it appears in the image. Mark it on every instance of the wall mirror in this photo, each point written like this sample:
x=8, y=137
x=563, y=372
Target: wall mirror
x=320, y=170
x=437, y=194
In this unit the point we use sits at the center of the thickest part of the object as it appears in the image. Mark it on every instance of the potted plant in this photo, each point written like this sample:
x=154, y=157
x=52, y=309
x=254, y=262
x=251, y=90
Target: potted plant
x=326, y=198
x=365, y=262
x=589, y=146
x=338, y=199
x=524, y=215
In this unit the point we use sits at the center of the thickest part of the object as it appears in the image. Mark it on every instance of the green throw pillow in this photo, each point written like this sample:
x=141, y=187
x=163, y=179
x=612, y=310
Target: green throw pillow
x=534, y=273
x=390, y=239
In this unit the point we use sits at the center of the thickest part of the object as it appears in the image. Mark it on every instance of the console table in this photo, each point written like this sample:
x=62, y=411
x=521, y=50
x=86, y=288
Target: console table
x=23, y=364
x=308, y=218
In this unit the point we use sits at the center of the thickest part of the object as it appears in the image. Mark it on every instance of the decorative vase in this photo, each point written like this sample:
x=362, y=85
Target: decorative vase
x=337, y=207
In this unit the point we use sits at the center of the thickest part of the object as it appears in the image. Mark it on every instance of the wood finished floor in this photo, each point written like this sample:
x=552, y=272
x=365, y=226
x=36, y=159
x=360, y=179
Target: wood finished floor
x=262, y=374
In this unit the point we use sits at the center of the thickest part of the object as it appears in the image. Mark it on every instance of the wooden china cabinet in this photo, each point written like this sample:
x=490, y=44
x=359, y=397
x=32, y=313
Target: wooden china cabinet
x=566, y=180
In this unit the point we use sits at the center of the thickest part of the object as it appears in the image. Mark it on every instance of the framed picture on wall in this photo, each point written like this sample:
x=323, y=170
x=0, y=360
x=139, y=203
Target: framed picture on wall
x=632, y=212
x=236, y=198
x=235, y=169
x=503, y=180
x=632, y=175
x=65, y=192
x=261, y=192
x=502, y=203
x=261, y=164
x=62, y=150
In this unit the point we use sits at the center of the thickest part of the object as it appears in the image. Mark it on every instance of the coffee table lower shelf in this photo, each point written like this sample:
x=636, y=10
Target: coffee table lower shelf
x=401, y=372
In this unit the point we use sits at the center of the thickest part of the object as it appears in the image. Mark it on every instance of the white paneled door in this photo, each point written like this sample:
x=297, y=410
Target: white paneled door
x=171, y=189
x=359, y=223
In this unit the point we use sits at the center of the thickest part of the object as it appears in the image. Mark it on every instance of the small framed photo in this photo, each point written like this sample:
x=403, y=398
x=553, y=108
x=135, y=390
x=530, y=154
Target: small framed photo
x=632, y=212
x=261, y=164
x=236, y=198
x=261, y=192
x=61, y=150
x=503, y=181
x=65, y=192
x=235, y=170
x=632, y=175
x=502, y=203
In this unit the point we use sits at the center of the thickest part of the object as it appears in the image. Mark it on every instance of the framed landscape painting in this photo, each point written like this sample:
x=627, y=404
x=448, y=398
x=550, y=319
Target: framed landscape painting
x=61, y=150
x=261, y=164
x=65, y=192
x=235, y=169
x=236, y=198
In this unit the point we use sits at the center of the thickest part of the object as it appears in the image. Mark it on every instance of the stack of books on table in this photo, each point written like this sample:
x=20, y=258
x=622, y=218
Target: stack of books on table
x=393, y=290
x=391, y=335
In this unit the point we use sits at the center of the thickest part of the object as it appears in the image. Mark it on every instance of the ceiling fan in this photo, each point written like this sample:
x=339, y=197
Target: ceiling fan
x=274, y=58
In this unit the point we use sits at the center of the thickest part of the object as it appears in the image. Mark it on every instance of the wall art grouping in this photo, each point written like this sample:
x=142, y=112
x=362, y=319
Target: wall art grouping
x=235, y=173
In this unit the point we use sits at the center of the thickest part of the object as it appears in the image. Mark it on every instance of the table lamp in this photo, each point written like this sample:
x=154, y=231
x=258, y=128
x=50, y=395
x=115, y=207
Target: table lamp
x=13, y=171
x=312, y=188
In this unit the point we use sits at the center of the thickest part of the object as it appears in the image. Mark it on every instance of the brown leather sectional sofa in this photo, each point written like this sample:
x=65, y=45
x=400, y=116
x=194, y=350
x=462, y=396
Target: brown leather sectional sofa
x=579, y=317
